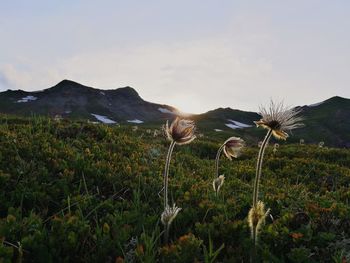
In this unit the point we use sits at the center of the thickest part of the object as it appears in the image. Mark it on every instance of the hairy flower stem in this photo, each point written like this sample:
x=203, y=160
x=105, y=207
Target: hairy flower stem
x=166, y=182
x=166, y=233
x=166, y=173
x=253, y=254
x=217, y=160
x=256, y=189
x=259, y=166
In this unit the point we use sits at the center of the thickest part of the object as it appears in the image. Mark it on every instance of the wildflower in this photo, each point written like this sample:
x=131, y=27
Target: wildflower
x=321, y=144
x=155, y=133
x=279, y=119
x=169, y=214
x=167, y=217
x=181, y=131
x=58, y=118
x=275, y=147
x=106, y=228
x=218, y=182
x=232, y=147
x=302, y=141
x=256, y=218
x=296, y=235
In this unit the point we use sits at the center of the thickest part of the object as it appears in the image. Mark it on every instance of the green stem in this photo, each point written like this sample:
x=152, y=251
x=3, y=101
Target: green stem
x=254, y=235
x=259, y=166
x=166, y=173
x=256, y=189
x=217, y=160
x=253, y=254
x=166, y=233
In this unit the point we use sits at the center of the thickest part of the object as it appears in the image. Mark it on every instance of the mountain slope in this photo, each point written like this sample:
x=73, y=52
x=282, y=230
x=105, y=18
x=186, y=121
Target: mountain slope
x=326, y=121
x=73, y=100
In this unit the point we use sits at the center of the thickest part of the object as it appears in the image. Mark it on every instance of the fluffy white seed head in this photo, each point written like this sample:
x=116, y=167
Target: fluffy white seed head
x=279, y=119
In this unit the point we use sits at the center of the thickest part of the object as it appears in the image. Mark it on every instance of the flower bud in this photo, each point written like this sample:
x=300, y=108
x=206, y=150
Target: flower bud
x=169, y=214
x=218, y=182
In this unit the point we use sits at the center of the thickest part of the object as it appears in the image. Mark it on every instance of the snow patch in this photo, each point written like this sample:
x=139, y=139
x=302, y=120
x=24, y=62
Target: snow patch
x=217, y=130
x=239, y=124
x=164, y=110
x=102, y=93
x=26, y=99
x=135, y=121
x=103, y=119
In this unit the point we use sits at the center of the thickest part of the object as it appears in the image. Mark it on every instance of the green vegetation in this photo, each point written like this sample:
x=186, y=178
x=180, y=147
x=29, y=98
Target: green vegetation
x=78, y=192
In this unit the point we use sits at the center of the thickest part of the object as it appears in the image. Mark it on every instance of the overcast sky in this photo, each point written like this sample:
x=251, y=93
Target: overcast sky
x=196, y=55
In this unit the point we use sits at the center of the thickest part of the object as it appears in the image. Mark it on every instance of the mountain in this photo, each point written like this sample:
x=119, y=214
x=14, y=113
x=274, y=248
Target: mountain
x=73, y=100
x=326, y=121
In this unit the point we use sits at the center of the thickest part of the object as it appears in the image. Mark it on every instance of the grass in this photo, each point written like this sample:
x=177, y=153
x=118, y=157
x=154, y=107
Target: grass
x=78, y=192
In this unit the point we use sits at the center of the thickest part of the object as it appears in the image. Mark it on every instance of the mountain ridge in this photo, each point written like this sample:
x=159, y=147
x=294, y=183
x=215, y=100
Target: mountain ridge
x=73, y=100
x=324, y=121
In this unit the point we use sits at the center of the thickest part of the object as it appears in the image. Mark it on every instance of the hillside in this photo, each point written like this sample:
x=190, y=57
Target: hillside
x=78, y=192
x=72, y=100
x=326, y=121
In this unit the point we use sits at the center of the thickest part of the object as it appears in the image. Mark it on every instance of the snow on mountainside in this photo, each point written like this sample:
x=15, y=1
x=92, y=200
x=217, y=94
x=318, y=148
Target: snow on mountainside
x=163, y=110
x=136, y=121
x=120, y=105
x=103, y=119
x=326, y=121
x=237, y=125
x=26, y=99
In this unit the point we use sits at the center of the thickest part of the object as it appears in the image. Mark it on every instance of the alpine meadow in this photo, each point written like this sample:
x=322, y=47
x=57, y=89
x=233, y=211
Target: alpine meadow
x=84, y=192
x=188, y=131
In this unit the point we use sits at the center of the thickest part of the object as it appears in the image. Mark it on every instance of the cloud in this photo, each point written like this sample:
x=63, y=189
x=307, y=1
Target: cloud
x=13, y=78
x=194, y=76
x=238, y=58
x=187, y=75
x=4, y=83
x=27, y=76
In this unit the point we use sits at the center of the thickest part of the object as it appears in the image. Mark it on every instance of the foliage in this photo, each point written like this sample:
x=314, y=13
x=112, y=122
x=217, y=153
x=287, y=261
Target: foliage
x=80, y=192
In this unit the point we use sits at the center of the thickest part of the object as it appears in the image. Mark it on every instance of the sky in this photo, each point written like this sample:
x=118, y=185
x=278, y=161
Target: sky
x=195, y=55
